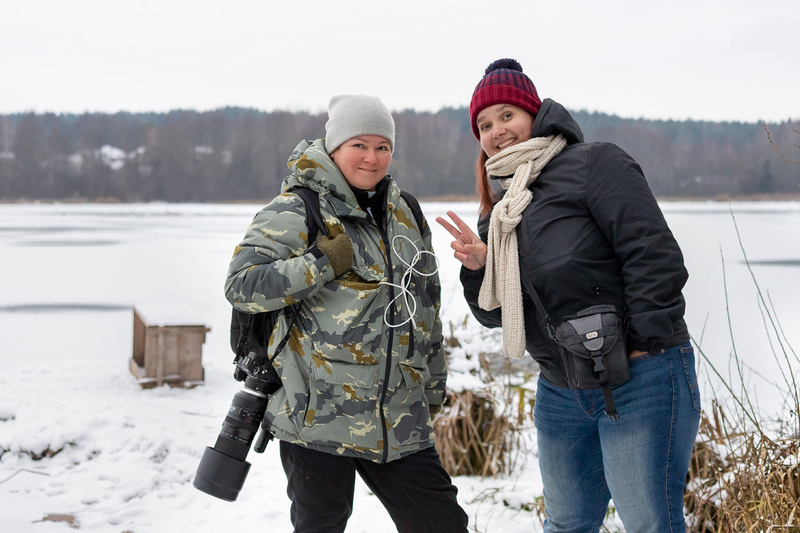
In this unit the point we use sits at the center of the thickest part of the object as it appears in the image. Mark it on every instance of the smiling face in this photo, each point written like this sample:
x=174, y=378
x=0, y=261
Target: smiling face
x=503, y=125
x=363, y=160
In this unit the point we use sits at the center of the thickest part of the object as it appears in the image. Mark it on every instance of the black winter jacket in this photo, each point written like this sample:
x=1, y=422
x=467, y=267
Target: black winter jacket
x=592, y=234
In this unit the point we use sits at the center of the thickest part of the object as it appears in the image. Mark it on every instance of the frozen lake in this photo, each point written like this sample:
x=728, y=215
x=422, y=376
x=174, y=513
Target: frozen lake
x=80, y=268
x=70, y=275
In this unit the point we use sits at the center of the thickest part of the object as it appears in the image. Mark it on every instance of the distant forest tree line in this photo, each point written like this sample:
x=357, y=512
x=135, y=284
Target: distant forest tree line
x=236, y=154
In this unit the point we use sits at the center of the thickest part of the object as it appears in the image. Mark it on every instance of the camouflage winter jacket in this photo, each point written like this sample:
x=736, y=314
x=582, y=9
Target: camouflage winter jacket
x=352, y=385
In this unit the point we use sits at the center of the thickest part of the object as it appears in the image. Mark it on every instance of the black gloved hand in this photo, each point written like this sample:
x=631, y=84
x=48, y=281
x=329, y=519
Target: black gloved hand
x=434, y=410
x=339, y=252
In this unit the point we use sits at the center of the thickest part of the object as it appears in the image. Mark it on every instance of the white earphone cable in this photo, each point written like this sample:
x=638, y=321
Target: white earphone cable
x=405, y=282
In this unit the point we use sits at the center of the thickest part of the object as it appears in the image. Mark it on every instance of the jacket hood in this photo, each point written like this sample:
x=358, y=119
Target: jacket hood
x=553, y=118
x=312, y=167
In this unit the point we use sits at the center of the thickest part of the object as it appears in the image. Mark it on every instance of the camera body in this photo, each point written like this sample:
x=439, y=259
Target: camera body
x=223, y=468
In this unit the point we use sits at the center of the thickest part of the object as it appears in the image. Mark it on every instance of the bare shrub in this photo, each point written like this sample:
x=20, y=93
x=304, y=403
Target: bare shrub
x=745, y=470
x=474, y=438
x=481, y=432
x=742, y=482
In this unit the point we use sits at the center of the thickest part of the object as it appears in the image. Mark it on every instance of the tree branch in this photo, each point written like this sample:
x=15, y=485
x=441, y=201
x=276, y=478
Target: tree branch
x=775, y=147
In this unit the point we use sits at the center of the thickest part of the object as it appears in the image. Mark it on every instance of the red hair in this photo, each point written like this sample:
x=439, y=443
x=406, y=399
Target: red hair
x=487, y=197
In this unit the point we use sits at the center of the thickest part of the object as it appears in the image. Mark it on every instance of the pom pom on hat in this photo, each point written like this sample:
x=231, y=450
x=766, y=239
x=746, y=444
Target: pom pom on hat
x=503, y=83
x=350, y=115
x=506, y=62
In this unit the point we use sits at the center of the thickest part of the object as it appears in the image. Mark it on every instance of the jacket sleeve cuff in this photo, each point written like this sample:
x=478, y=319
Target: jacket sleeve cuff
x=316, y=252
x=649, y=346
x=322, y=264
x=472, y=274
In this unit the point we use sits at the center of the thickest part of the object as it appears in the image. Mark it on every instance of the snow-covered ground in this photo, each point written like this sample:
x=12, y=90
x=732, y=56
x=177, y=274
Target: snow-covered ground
x=70, y=275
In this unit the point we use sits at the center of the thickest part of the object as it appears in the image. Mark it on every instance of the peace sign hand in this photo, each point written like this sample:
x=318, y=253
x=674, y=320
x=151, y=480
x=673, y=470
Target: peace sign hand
x=469, y=248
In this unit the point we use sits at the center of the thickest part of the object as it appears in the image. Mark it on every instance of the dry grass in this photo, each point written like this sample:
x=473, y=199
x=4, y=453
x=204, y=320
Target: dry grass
x=745, y=470
x=475, y=436
x=742, y=481
x=481, y=432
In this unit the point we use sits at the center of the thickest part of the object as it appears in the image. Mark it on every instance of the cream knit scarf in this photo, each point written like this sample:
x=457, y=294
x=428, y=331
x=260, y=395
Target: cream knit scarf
x=501, y=283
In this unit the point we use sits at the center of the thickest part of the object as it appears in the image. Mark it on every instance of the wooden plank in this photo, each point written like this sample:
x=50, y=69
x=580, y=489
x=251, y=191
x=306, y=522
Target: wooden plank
x=151, y=353
x=191, y=365
x=159, y=355
x=139, y=333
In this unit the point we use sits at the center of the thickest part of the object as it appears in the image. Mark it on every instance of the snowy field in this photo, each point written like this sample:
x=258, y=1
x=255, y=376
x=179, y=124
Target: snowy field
x=70, y=275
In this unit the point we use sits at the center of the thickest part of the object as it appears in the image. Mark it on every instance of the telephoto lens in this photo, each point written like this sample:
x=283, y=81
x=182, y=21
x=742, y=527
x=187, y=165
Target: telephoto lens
x=223, y=468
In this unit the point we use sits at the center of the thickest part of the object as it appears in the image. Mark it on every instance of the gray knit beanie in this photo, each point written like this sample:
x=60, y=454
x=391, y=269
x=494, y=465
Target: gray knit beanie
x=350, y=115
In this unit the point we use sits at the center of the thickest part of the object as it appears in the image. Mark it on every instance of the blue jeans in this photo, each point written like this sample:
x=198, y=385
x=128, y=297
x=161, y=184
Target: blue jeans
x=640, y=461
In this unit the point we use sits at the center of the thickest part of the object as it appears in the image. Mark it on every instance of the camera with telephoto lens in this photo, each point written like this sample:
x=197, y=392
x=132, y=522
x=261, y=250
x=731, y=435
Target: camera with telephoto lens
x=223, y=468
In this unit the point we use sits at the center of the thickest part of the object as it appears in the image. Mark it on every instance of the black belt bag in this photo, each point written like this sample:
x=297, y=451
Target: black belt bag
x=592, y=345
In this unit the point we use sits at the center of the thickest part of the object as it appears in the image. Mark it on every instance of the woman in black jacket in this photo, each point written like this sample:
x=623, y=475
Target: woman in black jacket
x=576, y=224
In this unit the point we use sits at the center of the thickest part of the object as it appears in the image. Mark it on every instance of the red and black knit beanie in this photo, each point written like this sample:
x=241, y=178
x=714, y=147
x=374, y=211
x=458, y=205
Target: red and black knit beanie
x=503, y=83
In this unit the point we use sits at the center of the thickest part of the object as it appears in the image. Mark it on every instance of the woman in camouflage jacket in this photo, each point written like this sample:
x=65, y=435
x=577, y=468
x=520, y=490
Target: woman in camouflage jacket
x=361, y=372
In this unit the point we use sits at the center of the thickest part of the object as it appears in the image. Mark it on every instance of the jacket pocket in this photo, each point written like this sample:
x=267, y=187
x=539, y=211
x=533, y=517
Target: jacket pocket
x=342, y=404
x=415, y=372
x=407, y=408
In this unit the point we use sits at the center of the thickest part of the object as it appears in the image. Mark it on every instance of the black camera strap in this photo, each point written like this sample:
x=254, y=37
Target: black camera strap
x=295, y=314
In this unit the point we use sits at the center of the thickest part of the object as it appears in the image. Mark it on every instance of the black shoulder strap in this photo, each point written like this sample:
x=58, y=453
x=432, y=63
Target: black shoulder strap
x=314, y=221
x=413, y=204
x=545, y=317
x=313, y=214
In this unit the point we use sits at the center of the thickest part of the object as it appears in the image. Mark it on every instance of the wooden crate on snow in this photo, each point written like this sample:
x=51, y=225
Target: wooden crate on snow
x=167, y=345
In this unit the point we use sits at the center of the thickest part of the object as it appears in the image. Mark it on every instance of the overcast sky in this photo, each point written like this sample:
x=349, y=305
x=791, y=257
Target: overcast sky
x=713, y=60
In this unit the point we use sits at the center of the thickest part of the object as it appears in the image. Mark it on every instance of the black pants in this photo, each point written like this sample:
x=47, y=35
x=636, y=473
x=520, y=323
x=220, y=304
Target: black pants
x=416, y=491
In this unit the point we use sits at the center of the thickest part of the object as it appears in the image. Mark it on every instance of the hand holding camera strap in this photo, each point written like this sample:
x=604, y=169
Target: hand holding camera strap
x=611, y=407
